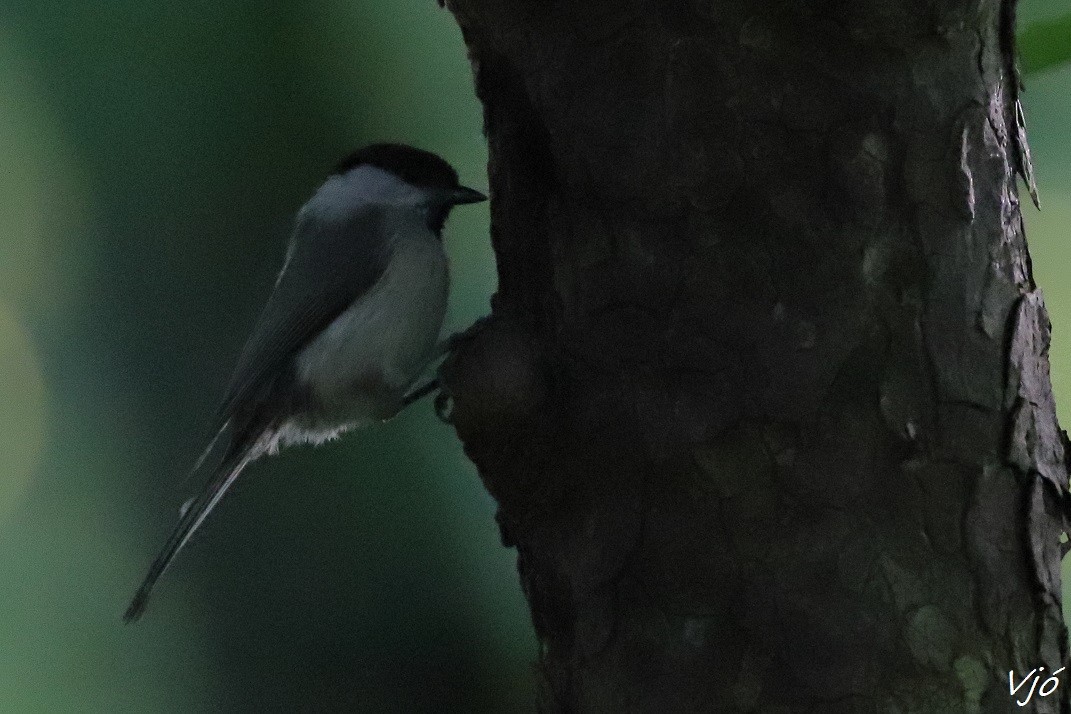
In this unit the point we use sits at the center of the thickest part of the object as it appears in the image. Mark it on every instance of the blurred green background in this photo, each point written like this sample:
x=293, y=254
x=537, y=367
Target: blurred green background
x=151, y=157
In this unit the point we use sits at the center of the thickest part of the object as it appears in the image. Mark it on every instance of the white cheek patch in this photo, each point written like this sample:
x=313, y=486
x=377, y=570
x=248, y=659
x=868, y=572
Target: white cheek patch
x=340, y=195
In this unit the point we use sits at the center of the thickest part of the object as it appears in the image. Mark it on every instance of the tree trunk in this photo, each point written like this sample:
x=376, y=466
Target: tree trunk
x=764, y=399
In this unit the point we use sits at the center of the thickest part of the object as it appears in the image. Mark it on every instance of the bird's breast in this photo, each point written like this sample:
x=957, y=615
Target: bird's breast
x=366, y=359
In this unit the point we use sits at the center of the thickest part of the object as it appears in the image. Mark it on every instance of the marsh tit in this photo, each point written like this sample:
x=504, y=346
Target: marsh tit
x=352, y=322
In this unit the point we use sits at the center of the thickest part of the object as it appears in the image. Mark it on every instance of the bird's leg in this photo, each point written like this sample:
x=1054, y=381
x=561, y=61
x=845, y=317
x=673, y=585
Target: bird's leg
x=420, y=392
x=442, y=349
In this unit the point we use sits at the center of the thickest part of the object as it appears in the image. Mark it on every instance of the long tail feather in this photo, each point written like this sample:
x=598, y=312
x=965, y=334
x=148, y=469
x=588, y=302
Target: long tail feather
x=208, y=449
x=190, y=520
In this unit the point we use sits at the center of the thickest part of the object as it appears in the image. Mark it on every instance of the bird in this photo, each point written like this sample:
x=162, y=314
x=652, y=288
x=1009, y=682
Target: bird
x=352, y=321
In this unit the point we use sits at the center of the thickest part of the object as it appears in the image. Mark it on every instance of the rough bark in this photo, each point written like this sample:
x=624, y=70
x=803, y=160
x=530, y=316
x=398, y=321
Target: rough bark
x=764, y=399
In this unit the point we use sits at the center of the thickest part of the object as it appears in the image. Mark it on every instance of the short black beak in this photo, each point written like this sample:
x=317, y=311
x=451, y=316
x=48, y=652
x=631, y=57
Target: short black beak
x=467, y=195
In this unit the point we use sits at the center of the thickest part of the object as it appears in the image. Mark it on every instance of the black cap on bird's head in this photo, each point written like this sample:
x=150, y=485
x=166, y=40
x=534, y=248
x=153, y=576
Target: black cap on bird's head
x=414, y=166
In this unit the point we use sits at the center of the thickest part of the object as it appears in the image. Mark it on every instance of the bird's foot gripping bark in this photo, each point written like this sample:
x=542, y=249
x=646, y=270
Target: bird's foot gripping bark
x=457, y=339
x=443, y=349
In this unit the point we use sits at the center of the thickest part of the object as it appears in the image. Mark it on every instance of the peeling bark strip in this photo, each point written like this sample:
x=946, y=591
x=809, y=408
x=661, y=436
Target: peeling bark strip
x=764, y=399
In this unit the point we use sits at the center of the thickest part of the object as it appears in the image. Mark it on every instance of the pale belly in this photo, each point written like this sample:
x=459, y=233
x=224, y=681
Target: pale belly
x=360, y=367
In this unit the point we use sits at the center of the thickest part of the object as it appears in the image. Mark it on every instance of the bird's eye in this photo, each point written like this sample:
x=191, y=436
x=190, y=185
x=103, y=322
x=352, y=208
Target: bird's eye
x=437, y=217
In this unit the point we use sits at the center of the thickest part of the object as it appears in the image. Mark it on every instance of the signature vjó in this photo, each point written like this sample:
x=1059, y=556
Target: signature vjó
x=1051, y=684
